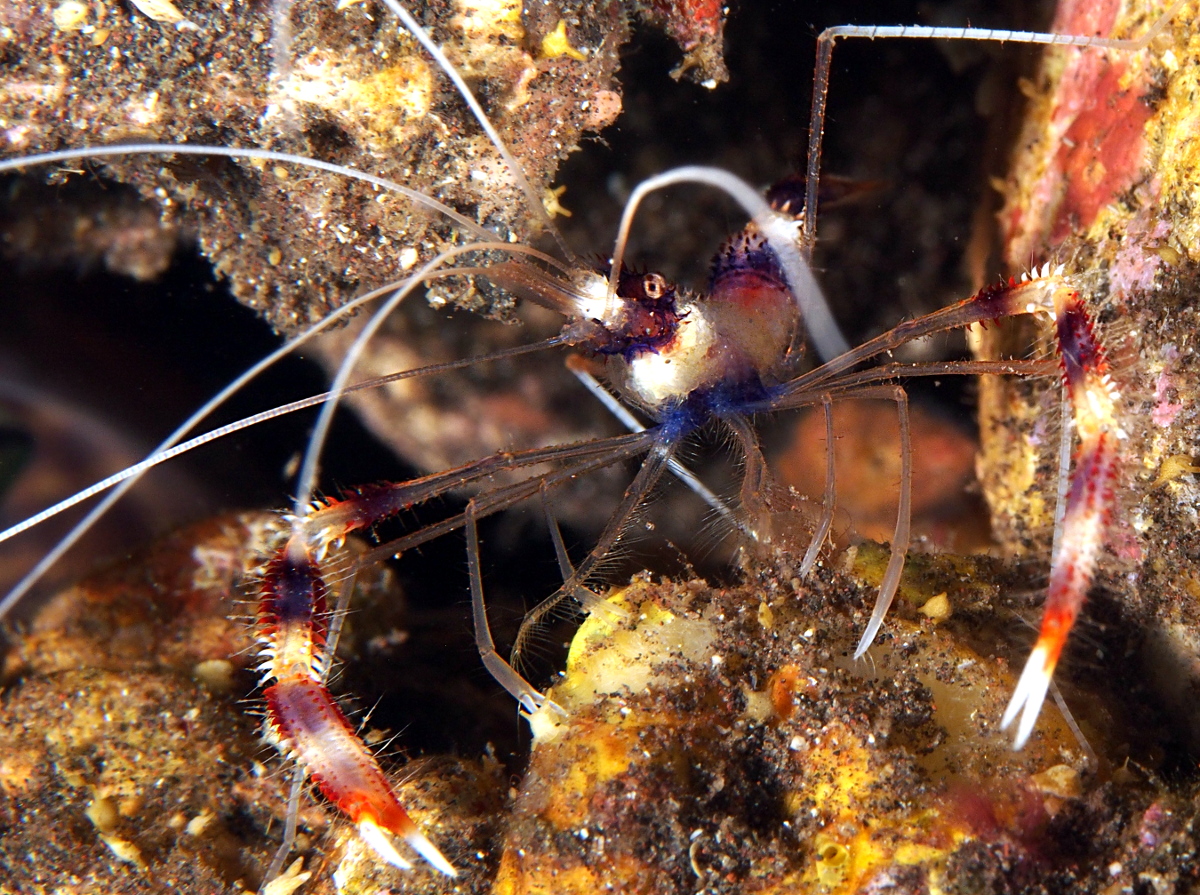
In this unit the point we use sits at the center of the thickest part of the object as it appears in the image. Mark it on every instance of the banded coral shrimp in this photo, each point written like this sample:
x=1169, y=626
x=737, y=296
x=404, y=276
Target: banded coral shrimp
x=834, y=852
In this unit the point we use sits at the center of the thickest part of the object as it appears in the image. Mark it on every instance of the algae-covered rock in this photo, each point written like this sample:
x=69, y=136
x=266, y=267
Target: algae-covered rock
x=723, y=740
x=338, y=82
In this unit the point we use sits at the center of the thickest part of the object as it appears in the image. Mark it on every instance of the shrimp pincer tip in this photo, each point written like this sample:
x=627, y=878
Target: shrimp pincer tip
x=373, y=835
x=430, y=853
x=1029, y=695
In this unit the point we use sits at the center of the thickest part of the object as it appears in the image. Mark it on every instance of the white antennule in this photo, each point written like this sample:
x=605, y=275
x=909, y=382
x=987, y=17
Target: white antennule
x=307, y=480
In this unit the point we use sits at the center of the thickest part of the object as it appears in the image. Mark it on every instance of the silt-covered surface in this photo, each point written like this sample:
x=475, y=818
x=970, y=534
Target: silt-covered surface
x=350, y=87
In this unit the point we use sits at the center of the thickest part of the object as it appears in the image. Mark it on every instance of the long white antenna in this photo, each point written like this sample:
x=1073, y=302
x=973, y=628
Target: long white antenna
x=66, y=155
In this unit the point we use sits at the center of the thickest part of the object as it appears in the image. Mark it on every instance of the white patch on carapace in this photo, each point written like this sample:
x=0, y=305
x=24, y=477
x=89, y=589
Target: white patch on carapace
x=678, y=369
x=593, y=302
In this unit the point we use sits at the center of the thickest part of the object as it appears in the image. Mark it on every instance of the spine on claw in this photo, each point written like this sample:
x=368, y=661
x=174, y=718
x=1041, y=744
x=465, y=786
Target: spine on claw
x=305, y=722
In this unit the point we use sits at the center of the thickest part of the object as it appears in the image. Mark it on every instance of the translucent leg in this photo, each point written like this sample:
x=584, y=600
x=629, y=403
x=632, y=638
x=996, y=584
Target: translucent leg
x=891, y=577
x=828, y=500
x=755, y=478
x=825, y=41
x=505, y=675
x=1056, y=693
x=681, y=472
x=299, y=776
x=651, y=470
x=565, y=568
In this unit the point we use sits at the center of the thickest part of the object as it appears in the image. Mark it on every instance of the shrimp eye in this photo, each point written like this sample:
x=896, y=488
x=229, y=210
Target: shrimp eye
x=654, y=285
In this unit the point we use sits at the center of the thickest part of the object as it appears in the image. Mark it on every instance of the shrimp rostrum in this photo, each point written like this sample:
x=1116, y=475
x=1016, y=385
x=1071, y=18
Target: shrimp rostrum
x=679, y=362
